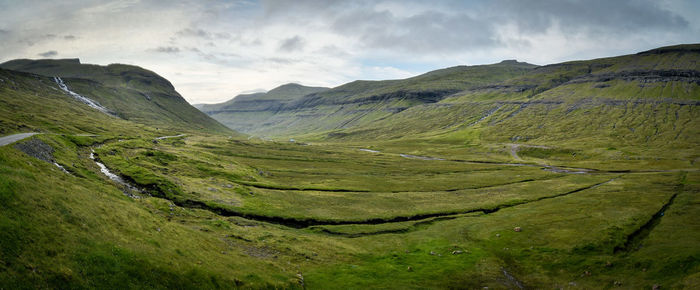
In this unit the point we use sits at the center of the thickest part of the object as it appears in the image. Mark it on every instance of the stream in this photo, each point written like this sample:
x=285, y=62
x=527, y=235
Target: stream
x=116, y=178
x=61, y=167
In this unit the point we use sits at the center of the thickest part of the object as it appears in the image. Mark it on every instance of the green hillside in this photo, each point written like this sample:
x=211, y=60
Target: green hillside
x=131, y=92
x=33, y=103
x=353, y=104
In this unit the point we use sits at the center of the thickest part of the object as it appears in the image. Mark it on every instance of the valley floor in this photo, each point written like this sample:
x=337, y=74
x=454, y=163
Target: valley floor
x=216, y=212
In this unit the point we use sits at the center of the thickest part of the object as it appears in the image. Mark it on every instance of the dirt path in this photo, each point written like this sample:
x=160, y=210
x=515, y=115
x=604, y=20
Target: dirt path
x=14, y=138
x=166, y=137
x=515, y=147
x=514, y=152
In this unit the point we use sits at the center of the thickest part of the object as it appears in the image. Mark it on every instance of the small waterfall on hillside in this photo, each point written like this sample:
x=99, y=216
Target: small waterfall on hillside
x=85, y=100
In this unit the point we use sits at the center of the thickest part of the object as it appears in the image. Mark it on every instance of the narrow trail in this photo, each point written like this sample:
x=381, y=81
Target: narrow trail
x=514, y=152
x=168, y=137
x=515, y=147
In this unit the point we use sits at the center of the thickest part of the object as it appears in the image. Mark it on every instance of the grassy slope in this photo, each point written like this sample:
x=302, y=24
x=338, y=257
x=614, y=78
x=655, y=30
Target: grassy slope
x=362, y=102
x=132, y=92
x=84, y=233
x=32, y=103
x=97, y=237
x=593, y=108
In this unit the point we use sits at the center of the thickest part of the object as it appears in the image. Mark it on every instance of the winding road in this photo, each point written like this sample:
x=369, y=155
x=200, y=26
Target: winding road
x=14, y=138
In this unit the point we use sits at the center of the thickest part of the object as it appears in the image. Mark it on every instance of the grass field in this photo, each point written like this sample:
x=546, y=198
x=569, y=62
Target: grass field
x=231, y=213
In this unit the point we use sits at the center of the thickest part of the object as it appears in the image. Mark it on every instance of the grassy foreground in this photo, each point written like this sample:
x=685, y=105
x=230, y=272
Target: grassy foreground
x=227, y=213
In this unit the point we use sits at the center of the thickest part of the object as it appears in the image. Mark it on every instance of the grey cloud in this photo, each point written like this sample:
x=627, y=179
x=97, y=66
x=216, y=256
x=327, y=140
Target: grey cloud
x=226, y=59
x=281, y=61
x=223, y=35
x=456, y=26
x=167, y=49
x=438, y=28
x=292, y=44
x=333, y=51
x=194, y=32
x=70, y=37
x=49, y=53
x=285, y=8
x=431, y=31
x=600, y=15
x=32, y=40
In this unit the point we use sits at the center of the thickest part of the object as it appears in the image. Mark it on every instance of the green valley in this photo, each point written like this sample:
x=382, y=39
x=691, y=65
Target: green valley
x=582, y=174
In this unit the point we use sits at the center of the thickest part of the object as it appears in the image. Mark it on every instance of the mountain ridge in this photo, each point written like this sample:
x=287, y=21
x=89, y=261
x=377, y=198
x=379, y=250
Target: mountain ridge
x=389, y=96
x=434, y=101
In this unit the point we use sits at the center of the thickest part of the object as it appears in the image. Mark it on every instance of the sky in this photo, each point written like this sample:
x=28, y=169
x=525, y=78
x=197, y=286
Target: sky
x=213, y=50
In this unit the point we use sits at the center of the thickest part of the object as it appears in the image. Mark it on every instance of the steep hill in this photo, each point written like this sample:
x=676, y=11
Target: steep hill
x=127, y=92
x=358, y=102
x=33, y=103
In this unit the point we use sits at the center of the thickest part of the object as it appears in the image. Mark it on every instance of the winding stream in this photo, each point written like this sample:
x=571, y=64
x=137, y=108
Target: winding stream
x=116, y=178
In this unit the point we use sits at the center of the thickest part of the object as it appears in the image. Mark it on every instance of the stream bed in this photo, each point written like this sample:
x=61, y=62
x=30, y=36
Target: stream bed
x=129, y=189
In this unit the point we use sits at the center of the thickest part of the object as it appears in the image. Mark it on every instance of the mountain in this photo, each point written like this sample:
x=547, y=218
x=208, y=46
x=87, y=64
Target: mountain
x=125, y=91
x=358, y=102
x=247, y=112
x=600, y=101
x=645, y=98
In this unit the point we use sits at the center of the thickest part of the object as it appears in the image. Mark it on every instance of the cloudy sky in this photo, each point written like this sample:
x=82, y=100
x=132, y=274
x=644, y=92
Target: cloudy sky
x=212, y=50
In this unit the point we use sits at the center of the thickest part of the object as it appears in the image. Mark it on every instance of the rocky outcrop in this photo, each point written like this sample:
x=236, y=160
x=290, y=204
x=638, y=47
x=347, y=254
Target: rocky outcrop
x=643, y=76
x=37, y=149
